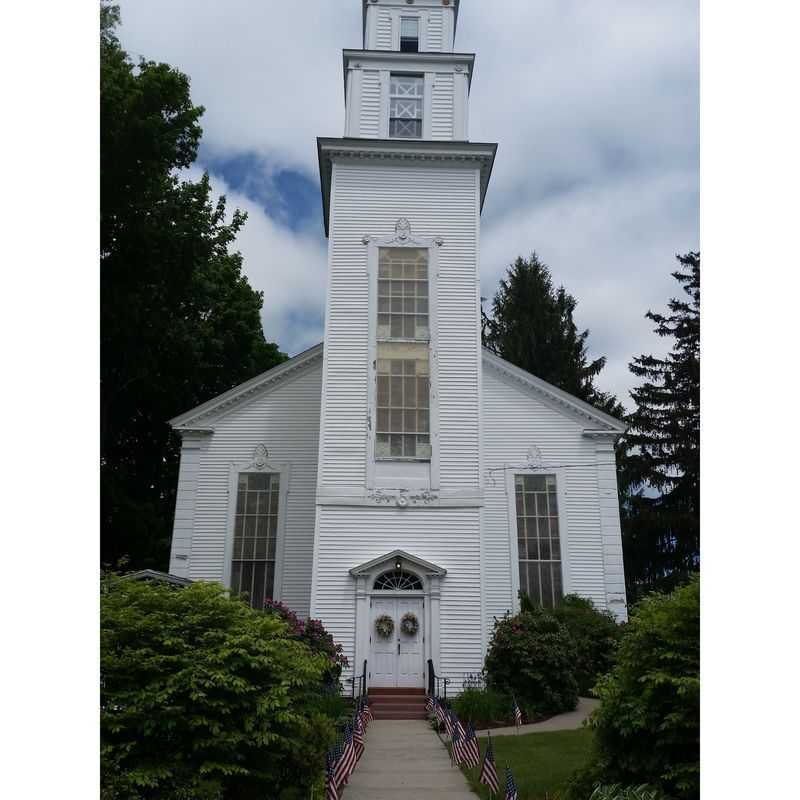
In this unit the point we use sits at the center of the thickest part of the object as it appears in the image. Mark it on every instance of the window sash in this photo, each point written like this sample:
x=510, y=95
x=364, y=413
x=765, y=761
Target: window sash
x=409, y=34
x=405, y=106
x=538, y=538
x=255, y=536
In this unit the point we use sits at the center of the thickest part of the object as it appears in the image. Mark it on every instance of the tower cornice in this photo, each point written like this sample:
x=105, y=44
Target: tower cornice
x=400, y=150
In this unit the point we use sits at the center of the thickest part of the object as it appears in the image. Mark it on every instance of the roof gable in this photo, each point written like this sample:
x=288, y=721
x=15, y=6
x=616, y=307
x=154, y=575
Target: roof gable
x=604, y=424
x=201, y=417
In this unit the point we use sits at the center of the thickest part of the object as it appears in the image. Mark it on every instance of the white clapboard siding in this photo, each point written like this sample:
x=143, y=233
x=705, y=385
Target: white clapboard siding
x=383, y=30
x=286, y=420
x=447, y=537
x=370, y=119
x=434, y=40
x=513, y=420
x=437, y=201
x=185, y=501
x=442, y=106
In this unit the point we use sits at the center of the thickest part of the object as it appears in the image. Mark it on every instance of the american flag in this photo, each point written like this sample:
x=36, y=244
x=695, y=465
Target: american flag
x=367, y=711
x=347, y=760
x=331, y=792
x=471, y=748
x=457, y=746
x=488, y=774
x=458, y=726
x=438, y=709
x=358, y=736
x=511, y=787
x=517, y=715
x=448, y=723
x=429, y=704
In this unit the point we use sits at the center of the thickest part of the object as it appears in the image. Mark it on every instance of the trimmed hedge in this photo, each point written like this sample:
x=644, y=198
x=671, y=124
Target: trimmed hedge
x=204, y=697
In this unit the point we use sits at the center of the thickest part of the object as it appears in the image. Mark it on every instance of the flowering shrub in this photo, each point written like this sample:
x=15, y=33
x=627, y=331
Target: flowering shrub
x=532, y=656
x=313, y=633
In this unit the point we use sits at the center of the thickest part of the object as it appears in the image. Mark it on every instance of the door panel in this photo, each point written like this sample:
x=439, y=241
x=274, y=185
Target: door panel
x=410, y=658
x=383, y=652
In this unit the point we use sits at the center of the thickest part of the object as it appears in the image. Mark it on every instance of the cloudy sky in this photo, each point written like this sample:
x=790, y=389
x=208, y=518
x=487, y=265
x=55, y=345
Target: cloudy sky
x=594, y=104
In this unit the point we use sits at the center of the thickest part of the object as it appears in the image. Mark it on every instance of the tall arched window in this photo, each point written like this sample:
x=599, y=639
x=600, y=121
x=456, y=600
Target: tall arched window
x=397, y=580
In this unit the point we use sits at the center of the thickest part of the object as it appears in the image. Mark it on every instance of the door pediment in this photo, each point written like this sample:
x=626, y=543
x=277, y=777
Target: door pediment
x=390, y=559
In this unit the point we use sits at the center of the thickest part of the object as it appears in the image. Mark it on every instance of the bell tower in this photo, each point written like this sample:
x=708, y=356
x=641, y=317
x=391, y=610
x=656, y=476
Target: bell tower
x=399, y=465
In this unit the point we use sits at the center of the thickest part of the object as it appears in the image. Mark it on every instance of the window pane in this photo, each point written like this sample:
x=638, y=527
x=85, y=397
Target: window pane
x=538, y=537
x=255, y=537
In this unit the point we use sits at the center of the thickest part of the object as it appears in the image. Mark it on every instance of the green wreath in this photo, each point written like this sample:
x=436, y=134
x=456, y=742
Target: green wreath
x=384, y=626
x=409, y=624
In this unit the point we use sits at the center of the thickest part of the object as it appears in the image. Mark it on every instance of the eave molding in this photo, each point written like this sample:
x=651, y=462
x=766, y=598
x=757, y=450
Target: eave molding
x=426, y=567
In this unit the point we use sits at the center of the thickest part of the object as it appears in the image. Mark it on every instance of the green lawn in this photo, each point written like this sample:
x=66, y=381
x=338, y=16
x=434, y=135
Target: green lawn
x=541, y=762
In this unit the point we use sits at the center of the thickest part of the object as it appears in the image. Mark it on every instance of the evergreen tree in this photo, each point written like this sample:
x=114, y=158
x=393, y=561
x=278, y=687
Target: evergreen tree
x=180, y=323
x=660, y=480
x=532, y=326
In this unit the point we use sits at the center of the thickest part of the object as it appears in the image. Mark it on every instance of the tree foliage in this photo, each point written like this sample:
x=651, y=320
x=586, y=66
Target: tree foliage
x=532, y=326
x=180, y=323
x=660, y=480
x=647, y=727
x=204, y=697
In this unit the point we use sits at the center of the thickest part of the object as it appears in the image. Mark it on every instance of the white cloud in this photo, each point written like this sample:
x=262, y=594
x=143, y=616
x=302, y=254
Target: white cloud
x=594, y=105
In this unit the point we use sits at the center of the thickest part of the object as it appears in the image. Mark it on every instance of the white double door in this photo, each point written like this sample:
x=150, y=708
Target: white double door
x=399, y=659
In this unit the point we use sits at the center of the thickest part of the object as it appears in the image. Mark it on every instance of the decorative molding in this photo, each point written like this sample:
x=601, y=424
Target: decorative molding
x=402, y=498
x=533, y=457
x=260, y=455
x=402, y=229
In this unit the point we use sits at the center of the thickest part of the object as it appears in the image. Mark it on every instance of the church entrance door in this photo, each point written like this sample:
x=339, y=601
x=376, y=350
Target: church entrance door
x=397, y=660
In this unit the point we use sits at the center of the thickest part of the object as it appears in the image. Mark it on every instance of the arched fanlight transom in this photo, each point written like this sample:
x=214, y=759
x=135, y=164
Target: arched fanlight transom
x=398, y=580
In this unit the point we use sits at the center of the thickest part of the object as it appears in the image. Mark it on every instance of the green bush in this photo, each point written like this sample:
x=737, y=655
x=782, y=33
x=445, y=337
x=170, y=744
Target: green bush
x=647, y=728
x=532, y=656
x=484, y=706
x=596, y=635
x=203, y=697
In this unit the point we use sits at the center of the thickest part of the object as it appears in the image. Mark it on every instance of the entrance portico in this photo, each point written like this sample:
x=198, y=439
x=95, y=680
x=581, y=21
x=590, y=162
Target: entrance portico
x=397, y=585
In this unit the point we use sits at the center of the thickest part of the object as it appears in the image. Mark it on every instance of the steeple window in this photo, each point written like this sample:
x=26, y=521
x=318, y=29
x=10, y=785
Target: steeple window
x=409, y=34
x=405, y=106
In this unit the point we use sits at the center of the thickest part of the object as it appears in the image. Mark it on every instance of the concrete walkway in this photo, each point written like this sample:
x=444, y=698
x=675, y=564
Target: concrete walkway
x=404, y=758
x=569, y=721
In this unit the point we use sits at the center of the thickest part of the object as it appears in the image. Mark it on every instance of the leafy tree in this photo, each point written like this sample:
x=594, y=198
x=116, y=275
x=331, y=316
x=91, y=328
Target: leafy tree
x=660, y=480
x=532, y=326
x=180, y=323
x=204, y=697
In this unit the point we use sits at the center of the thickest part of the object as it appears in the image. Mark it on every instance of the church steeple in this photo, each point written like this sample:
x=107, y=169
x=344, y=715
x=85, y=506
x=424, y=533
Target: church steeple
x=407, y=83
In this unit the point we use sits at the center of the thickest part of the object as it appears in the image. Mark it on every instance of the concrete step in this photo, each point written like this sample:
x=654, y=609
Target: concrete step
x=397, y=698
x=374, y=691
x=385, y=713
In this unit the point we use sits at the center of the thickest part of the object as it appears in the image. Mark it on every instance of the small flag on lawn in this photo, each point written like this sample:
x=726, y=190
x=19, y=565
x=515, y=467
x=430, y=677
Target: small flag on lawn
x=472, y=750
x=331, y=792
x=429, y=704
x=448, y=723
x=438, y=709
x=511, y=787
x=488, y=775
x=517, y=715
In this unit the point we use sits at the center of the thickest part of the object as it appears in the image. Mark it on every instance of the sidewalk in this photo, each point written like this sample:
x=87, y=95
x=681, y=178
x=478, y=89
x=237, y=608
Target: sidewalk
x=568, y=721
x=402, y=759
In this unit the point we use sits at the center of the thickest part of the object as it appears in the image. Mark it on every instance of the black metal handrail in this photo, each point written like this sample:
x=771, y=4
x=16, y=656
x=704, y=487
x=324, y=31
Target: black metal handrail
x=359, y=681
x=437, y=684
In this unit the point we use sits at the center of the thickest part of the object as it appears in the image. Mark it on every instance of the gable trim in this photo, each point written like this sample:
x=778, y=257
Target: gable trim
x=197, y=418
x=608, y=425
x=425, y=566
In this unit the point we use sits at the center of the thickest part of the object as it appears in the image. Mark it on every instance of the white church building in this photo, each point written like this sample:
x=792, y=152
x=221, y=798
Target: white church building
x=398, y=469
